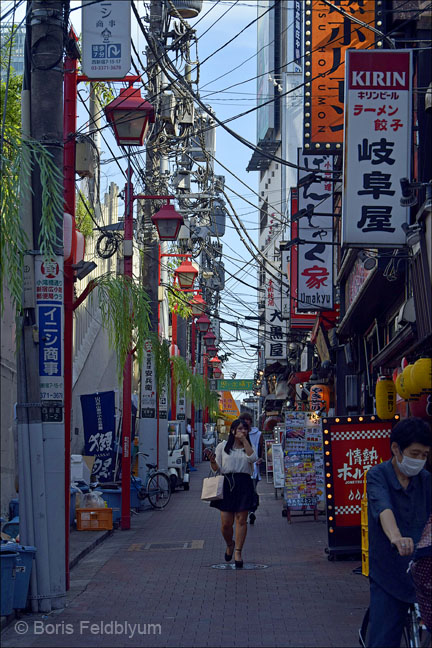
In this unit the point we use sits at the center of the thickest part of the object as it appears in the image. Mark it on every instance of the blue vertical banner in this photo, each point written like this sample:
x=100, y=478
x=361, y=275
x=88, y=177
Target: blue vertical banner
x=98, y=412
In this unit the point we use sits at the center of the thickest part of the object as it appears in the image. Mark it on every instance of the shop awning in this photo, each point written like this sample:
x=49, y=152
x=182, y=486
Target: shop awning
x=299, y=377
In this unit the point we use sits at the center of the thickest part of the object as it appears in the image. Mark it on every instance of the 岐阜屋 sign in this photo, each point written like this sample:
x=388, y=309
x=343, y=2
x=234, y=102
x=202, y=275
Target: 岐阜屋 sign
x=106, y=39
x=377, y=149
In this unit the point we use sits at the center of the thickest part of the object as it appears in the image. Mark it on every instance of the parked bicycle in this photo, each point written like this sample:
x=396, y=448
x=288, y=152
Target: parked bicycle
x=156, y=487
x=414, y=634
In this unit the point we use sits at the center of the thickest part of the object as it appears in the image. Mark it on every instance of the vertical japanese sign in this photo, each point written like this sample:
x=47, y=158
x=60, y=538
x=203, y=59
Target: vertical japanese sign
x=148, y=383
x=181, y=405
x=297, y=319
x=275, y=325
x=352, y=445
x=315, y=258
x=377, y=147
x=294, y=37
x=106, y=38
x=328, y=35
x=98, y=413
x=49, y=300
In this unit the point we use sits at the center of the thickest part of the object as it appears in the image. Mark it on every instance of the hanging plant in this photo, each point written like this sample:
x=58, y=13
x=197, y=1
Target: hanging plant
x=125, y=308
x=161, y=360
x=194, y=386
x=178, y=304
x=17, y=163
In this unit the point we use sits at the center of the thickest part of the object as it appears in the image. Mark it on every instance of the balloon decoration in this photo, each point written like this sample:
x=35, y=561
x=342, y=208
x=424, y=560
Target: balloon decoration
x=319, y=396
x=385, y=397
x=421, y=375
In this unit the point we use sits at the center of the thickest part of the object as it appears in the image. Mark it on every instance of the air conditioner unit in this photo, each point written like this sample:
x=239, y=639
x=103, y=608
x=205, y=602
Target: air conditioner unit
x=351, y=391
x=406, y=313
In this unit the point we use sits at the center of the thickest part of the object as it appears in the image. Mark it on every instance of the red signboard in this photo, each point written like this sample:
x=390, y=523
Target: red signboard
x=352, y=445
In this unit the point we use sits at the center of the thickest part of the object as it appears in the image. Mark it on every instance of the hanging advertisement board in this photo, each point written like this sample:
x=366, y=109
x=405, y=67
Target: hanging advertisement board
x=377, y=151
x=329, y=33
x=276, y=340
x=352, y=445
x=106, y=39
x=278, y=465
x=98, y=414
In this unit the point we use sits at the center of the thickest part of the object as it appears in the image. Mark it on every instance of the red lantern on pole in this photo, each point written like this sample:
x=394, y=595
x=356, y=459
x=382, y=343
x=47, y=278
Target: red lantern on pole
x=198, y=305
x=130, y=114
x=167, y=222
x=209, y=338
x=186, y=274
x=203, y=323
x=319, y=397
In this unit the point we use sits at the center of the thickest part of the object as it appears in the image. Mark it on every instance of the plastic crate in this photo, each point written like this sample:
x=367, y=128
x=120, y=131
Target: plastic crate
x=364, y=512
x=364, y=538
x=365, y=563
x=94, y=519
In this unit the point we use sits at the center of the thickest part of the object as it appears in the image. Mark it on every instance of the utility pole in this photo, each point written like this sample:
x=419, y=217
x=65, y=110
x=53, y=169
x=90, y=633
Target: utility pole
x=153, y=432
x=40, y=407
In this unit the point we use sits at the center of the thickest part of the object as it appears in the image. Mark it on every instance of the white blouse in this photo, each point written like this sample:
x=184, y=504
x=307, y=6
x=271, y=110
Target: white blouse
x=235, y=462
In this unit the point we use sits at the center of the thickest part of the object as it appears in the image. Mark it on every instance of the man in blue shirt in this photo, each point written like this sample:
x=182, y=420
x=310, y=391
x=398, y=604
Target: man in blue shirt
x=399, y=504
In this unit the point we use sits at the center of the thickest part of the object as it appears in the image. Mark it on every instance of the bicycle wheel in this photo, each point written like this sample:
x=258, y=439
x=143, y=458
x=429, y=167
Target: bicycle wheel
x=159, y=491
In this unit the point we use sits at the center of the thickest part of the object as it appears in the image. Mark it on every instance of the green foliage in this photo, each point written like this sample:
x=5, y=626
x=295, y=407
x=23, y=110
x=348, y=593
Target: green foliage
x=178, y=304
x=125, y=308
x=162, y=361
x=194, y=386
x=17, y=162
x=83, y=218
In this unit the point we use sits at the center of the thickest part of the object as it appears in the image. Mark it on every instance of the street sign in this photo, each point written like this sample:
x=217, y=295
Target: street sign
x=235, y=385
x=106, y=39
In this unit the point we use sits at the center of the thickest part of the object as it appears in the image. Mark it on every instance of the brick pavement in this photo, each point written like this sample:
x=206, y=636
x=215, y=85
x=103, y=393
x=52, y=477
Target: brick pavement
x=302, y=599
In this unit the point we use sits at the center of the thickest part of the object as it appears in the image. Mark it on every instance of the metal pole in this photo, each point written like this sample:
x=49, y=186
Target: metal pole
x=127, y=372
x=69, y=129
x=193, y=358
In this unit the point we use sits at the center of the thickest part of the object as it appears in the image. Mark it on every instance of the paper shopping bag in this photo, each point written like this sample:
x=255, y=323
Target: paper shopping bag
x=212, y=488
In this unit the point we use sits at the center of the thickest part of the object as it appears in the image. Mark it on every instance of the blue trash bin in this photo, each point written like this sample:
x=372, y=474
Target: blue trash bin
x=72, y=508
x=112, y=497
x=11, y=527
x=13, y=508
x=23, y=569
x=8, y=563
x=135, y=486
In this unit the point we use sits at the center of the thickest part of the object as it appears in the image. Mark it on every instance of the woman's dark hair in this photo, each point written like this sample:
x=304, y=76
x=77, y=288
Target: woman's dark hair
x=234, y=425
x=411, y=430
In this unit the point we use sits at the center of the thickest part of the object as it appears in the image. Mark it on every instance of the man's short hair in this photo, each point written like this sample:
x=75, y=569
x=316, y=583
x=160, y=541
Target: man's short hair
x=411, y=430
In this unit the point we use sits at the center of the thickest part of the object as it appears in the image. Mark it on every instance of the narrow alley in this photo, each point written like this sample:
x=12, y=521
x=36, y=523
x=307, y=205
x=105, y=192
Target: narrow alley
x=159, y=579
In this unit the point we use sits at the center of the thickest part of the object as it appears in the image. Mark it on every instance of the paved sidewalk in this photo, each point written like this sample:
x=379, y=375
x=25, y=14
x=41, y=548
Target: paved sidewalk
x=160, y=572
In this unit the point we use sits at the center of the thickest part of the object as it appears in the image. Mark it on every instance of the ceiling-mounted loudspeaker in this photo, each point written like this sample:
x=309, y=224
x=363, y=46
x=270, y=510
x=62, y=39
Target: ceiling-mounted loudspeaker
x=185, y=8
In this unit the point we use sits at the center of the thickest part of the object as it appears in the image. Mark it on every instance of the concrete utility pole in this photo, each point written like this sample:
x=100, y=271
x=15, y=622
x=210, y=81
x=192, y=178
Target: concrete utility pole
x=153, y=432
x=40, y=410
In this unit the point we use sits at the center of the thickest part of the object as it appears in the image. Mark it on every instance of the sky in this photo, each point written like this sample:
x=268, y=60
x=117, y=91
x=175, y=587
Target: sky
x=222, y=21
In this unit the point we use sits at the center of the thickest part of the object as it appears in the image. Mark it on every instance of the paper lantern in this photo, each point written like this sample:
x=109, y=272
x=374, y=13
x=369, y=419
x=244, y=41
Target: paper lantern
x=319, y=396
x=422, y=407
x=421, y=375
x=407, y=373
x=80, y=247
x=385, y=398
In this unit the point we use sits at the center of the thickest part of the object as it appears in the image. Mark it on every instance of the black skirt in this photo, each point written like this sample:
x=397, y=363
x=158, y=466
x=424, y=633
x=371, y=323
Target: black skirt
x=238, y=494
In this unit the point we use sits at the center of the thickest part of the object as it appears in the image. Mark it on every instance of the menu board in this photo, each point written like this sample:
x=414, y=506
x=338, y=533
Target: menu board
x=304, y=484
x=300, y=480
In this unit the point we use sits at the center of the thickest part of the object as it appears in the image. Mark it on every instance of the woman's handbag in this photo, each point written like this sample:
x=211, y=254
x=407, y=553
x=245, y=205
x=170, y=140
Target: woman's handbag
x=212, y=488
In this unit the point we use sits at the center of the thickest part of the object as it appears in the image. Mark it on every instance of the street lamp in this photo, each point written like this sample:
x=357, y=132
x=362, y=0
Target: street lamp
x=198, y=305
x=209, y=339
x=130, y=115
x=186, y=274
x=203, y=323
x=167, y=222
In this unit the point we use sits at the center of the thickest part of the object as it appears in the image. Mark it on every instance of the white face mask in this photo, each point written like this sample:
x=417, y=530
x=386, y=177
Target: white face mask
x=409, y=466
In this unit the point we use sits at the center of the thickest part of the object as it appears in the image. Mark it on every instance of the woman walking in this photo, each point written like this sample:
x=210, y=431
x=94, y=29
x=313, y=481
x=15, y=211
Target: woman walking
x=235, y=460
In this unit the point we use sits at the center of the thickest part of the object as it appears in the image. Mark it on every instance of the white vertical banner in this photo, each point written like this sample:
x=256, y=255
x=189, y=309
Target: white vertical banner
x=50, y=322
x=275, y=325
x=315, y=256
x=377, y=148
x=148, y=383
x=106, y=38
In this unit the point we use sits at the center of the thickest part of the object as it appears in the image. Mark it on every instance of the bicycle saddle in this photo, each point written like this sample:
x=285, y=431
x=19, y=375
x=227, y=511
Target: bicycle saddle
x=151, y=466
